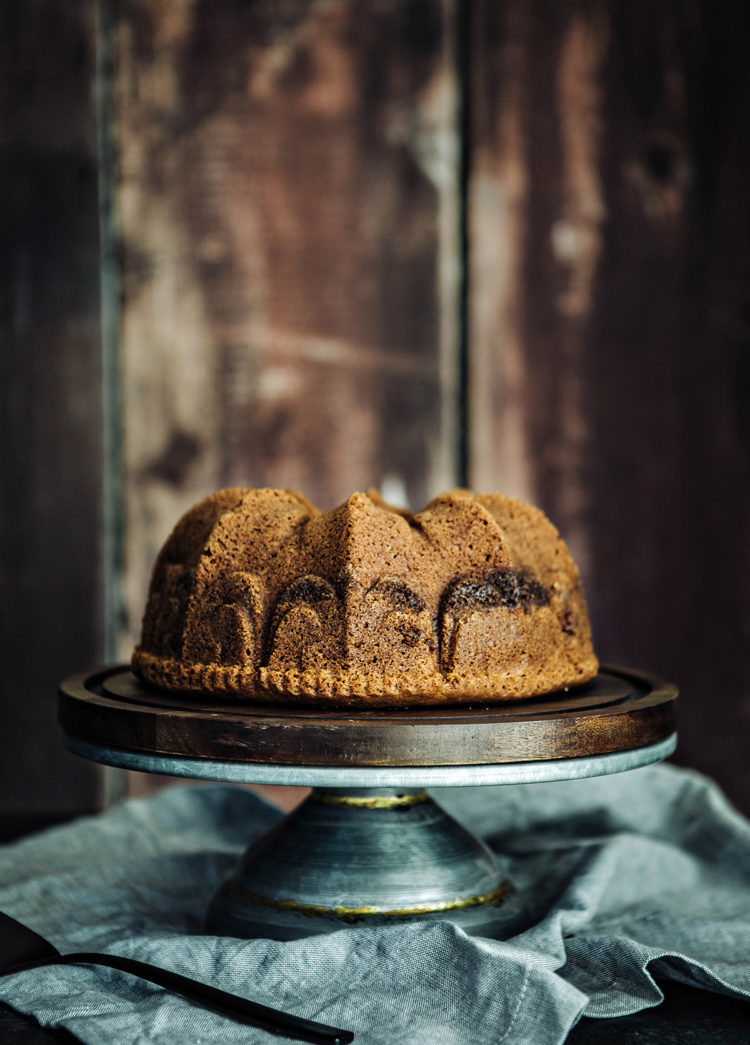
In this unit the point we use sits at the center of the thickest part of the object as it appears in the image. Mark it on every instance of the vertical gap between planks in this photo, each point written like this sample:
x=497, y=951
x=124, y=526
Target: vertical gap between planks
x=463, y=79
x=112, y=781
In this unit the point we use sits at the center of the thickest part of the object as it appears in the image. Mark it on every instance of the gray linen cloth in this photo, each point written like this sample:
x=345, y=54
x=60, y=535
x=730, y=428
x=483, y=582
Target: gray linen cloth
x=617, y=879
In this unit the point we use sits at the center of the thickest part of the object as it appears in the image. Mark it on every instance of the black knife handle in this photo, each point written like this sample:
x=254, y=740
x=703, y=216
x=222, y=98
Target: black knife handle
x=272, y=1020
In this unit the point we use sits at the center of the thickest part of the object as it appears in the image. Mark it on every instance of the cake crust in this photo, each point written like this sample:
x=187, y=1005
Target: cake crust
x=259, y=596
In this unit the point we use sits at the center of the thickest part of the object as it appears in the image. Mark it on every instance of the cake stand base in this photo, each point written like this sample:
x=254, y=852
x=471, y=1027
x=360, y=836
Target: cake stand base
x=355, y=857
x=369, y=846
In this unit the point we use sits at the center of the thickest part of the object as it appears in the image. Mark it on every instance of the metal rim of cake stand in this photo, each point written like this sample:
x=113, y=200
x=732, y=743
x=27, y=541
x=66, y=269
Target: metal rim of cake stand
x=376, y=776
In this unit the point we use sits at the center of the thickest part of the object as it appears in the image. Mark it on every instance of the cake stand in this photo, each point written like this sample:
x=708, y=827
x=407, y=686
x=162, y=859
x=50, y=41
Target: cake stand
x=369, y=845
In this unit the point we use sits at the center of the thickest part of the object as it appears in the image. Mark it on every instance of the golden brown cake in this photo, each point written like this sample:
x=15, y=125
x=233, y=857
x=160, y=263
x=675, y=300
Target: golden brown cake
x=259, y=596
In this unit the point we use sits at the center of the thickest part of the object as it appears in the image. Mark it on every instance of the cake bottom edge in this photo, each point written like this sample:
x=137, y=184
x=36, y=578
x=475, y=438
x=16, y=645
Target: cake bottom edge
x=347, y=687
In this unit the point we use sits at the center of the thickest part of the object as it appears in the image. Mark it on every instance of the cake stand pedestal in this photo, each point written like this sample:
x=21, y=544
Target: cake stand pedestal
x=369, y=845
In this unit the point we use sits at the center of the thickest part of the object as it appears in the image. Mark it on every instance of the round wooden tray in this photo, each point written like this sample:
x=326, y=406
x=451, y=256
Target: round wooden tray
x=109, y=711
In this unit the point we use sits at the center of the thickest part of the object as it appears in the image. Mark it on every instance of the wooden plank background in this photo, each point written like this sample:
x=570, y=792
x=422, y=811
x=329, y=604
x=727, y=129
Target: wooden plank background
x=609, y=337
x=403, y=243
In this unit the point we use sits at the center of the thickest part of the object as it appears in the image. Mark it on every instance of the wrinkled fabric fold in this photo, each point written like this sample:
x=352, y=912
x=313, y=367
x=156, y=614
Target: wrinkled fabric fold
x=616, y=880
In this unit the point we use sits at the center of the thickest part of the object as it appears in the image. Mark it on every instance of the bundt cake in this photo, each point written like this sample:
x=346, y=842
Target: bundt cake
x=258, y=596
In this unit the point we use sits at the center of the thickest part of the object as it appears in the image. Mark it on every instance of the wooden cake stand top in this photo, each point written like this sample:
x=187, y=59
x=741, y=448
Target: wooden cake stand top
x=619, y=720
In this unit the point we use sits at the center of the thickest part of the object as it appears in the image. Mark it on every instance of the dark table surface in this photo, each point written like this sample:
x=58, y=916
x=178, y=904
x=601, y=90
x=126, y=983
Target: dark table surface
x=685, y=1016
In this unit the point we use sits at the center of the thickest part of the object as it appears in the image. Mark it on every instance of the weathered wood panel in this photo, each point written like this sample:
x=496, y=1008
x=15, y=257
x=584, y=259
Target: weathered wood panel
x=288, y=204
x=610, y=254
x=287, y=201
x=50, y=421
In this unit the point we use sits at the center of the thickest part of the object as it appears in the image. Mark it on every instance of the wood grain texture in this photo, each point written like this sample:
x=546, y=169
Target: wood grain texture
x=536, y=211
x=50, y=421
x=609, y=210
x=287, y=198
